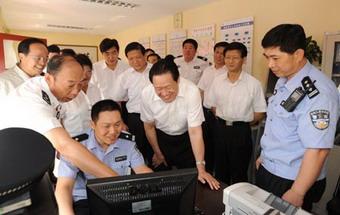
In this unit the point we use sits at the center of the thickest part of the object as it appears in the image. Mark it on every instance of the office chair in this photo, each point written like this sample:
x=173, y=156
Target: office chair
x=25, y=156
x=333, y=206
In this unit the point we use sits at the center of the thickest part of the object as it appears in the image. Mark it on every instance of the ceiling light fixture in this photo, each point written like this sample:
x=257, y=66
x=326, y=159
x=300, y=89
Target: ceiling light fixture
x=68, y=27
x=114, y=3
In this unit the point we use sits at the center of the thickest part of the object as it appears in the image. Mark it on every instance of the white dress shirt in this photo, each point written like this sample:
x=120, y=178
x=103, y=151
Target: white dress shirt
x=192, y=70
x=77, y=116
x=32, y=106
x=11, y=78
x=176, y=117
x=206, y=80
x=104, y=77
x=94, y=94
x=130, y=85
x=239, y=100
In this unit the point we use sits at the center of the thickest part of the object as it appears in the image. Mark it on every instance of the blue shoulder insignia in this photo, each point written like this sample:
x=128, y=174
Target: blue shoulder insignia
x=81, y=137
x=202, y=58
x=127, y=136
x=309, y=87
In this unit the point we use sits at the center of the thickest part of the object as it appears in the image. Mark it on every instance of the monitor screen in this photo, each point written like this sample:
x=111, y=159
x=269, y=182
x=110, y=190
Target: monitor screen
x=167, y=192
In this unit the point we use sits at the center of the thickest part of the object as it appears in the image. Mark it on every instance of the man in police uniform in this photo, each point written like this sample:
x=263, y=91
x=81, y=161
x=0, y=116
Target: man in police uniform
x=204, y=85
x=130, y=85
x=237, y=99
x=105, y=143
x=301, y=121
x=33, y=56
x=172, y=114
x=191, y=67
x=36, y=105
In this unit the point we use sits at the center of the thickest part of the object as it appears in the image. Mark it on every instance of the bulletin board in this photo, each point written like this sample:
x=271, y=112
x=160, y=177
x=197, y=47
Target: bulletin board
x=240, y=30
x=205, y=37
x=145, y=41
x=158, y=44
x=176, y=39
x=90, y=51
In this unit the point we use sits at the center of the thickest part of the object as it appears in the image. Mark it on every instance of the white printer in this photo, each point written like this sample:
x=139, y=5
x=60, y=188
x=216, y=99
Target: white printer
x=245, y=198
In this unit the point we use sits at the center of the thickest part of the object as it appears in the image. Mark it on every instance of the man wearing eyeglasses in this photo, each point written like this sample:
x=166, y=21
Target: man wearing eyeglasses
x=33, y=55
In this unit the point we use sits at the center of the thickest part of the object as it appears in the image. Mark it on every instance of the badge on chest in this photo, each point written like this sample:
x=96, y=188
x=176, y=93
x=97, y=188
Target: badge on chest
x=121, y=158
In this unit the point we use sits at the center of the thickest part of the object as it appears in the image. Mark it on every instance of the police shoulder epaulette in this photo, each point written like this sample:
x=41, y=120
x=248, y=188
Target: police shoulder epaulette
x=309, y=87
x=179, y=56
x=81, y=137
x=127, y=136
x=202, y=58
x=45, y=97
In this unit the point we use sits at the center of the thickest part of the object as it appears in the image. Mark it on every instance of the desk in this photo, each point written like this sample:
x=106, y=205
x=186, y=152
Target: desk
x=210, y=201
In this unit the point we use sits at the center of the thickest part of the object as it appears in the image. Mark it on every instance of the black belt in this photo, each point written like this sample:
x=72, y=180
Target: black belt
x=208, y=110
x=231, y=123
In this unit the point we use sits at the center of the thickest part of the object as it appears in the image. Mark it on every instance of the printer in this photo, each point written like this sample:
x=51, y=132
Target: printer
x=245, y=198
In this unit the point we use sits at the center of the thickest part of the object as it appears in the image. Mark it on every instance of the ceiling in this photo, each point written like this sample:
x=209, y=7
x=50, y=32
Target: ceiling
x=100, y=17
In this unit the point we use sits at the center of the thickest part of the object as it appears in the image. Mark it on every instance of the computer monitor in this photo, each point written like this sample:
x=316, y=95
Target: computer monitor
x=167, y=192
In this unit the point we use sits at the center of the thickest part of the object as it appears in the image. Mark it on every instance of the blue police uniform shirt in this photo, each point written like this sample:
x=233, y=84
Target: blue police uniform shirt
x=312, y=124
x=120, y=156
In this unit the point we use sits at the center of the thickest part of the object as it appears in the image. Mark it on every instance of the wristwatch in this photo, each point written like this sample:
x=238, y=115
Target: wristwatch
x=200, y=162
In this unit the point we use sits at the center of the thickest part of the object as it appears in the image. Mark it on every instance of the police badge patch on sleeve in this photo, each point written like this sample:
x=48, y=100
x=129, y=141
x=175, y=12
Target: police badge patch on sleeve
x=320, y=119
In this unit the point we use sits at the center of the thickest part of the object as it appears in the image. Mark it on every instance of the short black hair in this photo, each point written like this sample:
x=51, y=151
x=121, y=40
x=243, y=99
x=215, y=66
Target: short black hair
x=288, y=37
x=134, y=46
x=104, y=105
x=84, y=60
x=107, y=43
x=53, y=49
x=164, y=66
x=55, y=63
x=24, y=45
x=191, y=41
x=150, y=50
x=68, y=52
x=222, y=44
x=153, y=55
x=237, y=46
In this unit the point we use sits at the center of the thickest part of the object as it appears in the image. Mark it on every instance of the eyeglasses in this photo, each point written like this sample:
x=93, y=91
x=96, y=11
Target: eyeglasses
x=38, y=58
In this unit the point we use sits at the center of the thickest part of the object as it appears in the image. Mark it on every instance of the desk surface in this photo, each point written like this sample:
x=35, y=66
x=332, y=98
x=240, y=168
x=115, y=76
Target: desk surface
x=210, y=201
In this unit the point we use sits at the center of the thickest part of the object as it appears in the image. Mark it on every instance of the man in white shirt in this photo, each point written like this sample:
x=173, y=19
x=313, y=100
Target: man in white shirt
x=191, y=67
x=238, y=101
x=33, y=56
x=105, y=72
x=172, y=114
x=130, y=85
x=204, y=84
x=77, y=117
x=36, y=105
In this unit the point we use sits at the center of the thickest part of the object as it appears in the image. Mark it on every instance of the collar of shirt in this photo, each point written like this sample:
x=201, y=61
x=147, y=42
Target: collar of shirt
x=145, y=71
x=296, y=79
x=181, y=90
x=92, y=143
x=103, y=65
x=223, y=68
x=20, y=72
x=240, y=78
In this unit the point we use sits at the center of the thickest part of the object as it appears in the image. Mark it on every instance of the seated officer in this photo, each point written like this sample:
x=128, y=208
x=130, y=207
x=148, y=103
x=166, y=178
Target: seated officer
x=104, y=142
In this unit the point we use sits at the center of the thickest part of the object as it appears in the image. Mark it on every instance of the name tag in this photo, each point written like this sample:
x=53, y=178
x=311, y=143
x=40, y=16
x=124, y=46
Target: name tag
x=197, y=67
x=120, y=158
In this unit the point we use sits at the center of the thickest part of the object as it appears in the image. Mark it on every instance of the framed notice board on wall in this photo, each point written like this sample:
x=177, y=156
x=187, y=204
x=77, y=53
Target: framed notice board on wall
x=90, y=51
